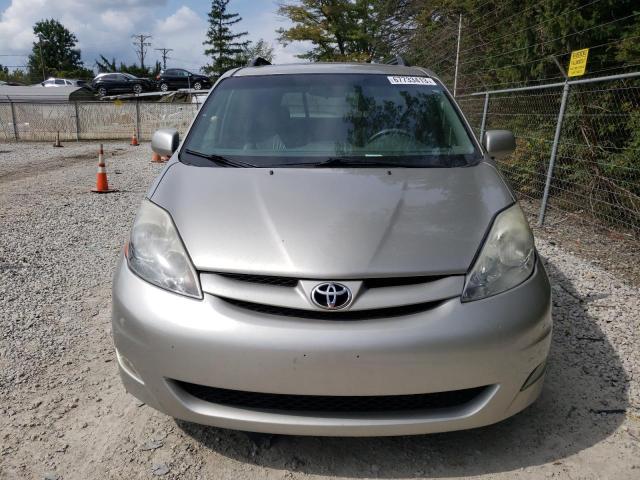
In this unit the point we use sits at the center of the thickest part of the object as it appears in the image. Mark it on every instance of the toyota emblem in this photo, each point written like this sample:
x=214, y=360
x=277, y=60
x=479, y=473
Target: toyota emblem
x=331, y=296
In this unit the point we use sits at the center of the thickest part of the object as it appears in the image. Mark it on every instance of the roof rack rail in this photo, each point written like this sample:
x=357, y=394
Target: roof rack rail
x=258, y=62
x=397, y=60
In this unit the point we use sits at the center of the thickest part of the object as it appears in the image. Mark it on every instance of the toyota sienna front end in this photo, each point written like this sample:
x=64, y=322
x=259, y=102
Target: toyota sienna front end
x=331, y=252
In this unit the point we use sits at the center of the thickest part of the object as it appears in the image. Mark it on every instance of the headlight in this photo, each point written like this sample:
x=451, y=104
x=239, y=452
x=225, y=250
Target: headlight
x=506, y=258
x=156, y=253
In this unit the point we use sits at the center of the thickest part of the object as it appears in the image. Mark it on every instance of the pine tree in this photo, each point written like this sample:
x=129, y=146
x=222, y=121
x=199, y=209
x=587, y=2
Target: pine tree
x=225, y=47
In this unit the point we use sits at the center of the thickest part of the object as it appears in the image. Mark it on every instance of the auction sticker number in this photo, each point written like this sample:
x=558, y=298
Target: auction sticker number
x=411, y=81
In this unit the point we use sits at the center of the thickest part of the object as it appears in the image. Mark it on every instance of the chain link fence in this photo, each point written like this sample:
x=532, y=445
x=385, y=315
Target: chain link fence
x=578, y=146
x=91, y=120
x=578, y=142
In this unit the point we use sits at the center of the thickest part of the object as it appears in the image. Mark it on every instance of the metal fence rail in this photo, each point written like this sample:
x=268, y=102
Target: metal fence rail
x=91, y=120
x=578, y=145
x=578, y=141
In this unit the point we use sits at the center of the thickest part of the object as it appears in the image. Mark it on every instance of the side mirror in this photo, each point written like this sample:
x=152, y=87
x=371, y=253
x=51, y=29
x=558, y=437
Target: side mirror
x=165, y=141
x=499, y=143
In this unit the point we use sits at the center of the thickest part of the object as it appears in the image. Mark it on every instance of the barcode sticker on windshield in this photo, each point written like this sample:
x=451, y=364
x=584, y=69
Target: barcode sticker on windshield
x=411, y=81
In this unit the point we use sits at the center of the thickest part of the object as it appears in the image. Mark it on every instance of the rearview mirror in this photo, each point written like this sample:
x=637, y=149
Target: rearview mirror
x=499, y=143
x=165, y=141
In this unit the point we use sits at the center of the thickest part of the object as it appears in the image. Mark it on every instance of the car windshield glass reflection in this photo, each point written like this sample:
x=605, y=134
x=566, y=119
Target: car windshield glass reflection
x=303, y=120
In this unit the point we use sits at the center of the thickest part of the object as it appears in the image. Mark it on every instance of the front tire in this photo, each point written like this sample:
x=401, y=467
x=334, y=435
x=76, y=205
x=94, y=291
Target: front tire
x=102, y=92
x=197, y=86
x=137, y=89
x=164, y=87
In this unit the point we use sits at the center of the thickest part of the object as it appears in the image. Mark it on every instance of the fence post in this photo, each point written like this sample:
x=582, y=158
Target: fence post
x=484, y=115
x=138, y=119
x=455, y=75
x=13, y=119
x=77, y=122
x=554, y=152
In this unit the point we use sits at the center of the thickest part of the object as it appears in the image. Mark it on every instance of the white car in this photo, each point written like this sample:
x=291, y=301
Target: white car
x=62, y=82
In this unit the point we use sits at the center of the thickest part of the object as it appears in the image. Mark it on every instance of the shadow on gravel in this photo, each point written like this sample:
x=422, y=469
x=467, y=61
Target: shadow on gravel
x=583, y=402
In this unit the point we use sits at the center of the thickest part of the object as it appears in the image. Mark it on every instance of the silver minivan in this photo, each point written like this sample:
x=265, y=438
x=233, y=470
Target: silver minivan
x=330, y=251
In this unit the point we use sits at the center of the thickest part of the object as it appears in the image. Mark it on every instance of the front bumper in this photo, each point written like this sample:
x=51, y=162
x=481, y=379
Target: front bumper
x=496, y=342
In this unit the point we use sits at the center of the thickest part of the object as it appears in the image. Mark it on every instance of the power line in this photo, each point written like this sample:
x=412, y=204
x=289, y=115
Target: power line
x=477, y=8
x=505, y=20
x=496, y=9
x=164, y=56
x=552, y=40
x=140, y=44
x=546, y=57
x=479, y=45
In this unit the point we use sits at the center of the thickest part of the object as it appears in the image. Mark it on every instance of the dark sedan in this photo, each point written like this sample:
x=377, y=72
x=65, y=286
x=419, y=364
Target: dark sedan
x=110, y=83
x=174, y=78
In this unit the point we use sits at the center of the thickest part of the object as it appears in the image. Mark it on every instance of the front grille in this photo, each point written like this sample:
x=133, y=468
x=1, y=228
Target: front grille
x=334, y=315
x=368, y=283
x=399, y=281
x=323, y=403
x=263, y=279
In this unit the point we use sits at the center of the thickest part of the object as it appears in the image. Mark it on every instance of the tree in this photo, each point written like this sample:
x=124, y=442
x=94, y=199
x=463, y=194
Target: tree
x=18, y=75
x=105, y=65
x=261, y=48
x=55, y=52
x=340, y=30
x=508, y=42
x=225, y=48
x=252, y=50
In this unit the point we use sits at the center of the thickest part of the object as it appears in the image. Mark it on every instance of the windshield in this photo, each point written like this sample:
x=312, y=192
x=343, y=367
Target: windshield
x=300, y=120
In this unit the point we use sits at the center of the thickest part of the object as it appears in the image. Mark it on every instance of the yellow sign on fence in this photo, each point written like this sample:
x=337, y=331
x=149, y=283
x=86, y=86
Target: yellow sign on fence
x=578, y=63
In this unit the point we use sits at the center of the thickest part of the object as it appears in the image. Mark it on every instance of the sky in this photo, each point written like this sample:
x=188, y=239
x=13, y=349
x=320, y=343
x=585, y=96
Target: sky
x=105, y=27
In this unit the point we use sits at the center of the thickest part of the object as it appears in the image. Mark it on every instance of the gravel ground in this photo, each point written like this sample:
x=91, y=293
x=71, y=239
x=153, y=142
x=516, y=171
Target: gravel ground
x=65, y=415
x=613, y=250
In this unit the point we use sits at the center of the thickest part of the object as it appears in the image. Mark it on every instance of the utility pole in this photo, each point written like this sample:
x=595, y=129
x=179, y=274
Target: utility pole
x=141, y=44
x=455, y=76
x=41, y=57
x=164, y=56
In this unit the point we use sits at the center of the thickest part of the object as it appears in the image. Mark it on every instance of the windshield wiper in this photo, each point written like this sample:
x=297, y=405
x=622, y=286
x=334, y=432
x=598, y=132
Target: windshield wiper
x=219, y=159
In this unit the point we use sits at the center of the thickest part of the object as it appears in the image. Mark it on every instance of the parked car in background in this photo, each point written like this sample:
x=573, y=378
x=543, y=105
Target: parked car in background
x=116, y=82
x=63, y=82
x=11, y=83
x=174, y=78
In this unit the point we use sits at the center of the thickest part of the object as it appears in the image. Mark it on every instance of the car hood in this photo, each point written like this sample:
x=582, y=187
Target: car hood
x=332, y=223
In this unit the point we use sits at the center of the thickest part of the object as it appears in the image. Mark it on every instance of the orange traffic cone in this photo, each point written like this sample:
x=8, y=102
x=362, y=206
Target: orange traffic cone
x=134, y=140
x=102, y=185
x=155, y=158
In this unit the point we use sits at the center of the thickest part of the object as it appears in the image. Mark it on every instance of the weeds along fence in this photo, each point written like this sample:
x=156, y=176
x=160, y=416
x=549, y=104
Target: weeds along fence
x=26, y=120
x=578, y=146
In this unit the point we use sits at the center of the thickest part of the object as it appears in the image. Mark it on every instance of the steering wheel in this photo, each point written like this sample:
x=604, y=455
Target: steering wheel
x=389, y=131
